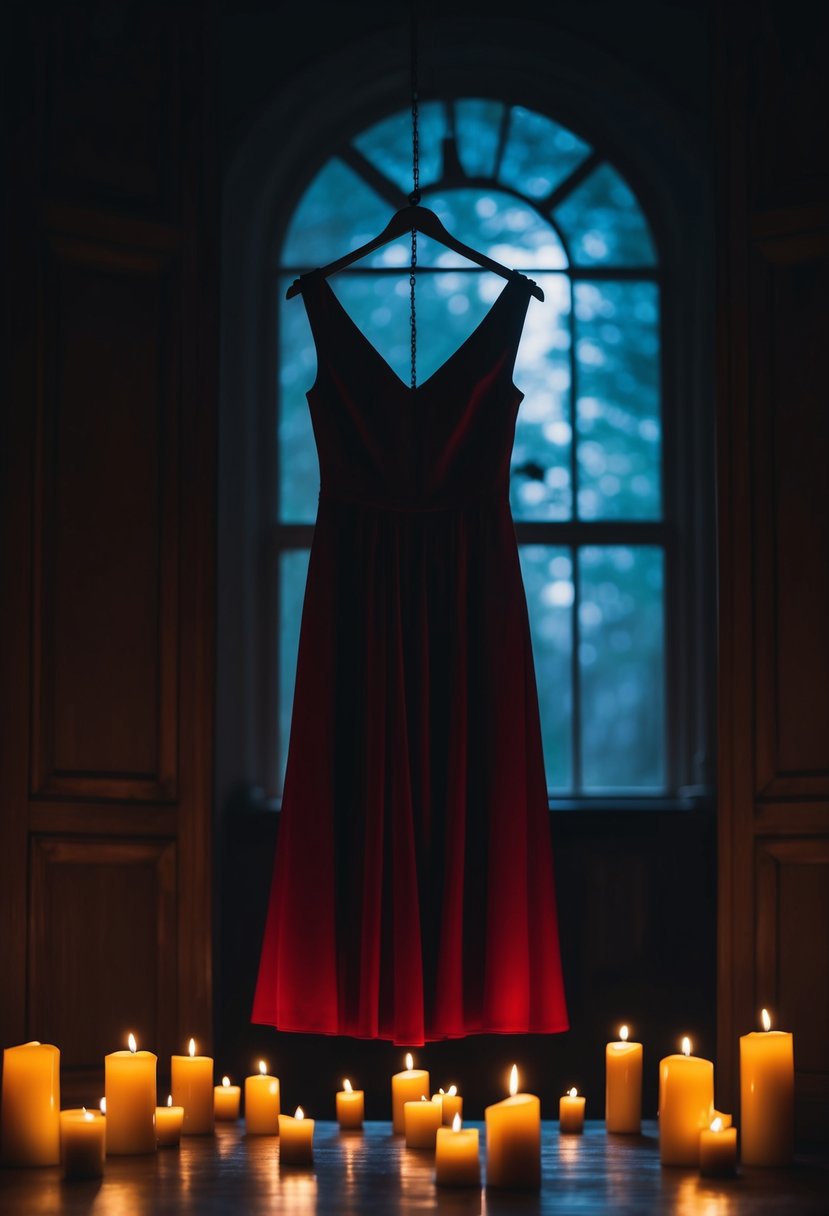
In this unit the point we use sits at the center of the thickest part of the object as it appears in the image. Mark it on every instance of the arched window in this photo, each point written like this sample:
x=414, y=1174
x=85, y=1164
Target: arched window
x=587, y=468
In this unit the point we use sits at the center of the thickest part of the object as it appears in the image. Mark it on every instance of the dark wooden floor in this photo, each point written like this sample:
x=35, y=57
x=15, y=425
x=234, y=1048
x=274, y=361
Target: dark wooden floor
x=373, y=1174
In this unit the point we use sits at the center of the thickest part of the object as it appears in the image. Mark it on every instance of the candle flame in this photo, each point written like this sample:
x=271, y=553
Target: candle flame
x=573, y=1093
x=347, y=1086
x=686, y=1046
x=103, y=1106
x=88, y=1115
x=453, y=1089
x=263, y=1068
x=409, y=1061
x=300, y=1113
x=716, y=1125
x=456, y=1123
x=226, y=1082
x=423, y=1098
x=132, y=1043
x=192, y=1047
x=766, y=1019
x=623, y=1033
x=442, y=1092
x=513, y=1081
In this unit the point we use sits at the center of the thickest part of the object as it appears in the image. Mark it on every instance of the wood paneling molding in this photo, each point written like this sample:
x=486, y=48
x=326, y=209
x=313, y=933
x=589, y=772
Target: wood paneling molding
x=105, y=643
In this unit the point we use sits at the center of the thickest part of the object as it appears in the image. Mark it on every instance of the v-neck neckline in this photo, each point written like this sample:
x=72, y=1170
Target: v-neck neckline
x=515, y=277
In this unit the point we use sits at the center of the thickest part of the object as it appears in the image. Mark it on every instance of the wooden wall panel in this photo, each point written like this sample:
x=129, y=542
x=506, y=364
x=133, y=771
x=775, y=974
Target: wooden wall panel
x=111, y=109
x=102, y=933
x=107, y=581
x=791, y=456
x=792, y=883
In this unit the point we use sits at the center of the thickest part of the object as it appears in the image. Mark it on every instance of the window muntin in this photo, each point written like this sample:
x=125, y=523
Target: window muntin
x=586, y=490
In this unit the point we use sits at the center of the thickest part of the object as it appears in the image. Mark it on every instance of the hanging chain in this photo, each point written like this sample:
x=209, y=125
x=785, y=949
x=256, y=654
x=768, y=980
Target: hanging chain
x=414, y=197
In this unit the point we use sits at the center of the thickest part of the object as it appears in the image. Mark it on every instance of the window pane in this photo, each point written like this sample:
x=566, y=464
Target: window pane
x=293, y=573
x=603, y=223
x=548, y=580
x=449, y=306
x=539, y=153
x=299, y=476
x=337, y=212
x=477, y=127
x=388, y=145
x=618, y=407
x=540, y=482
x=621, y=661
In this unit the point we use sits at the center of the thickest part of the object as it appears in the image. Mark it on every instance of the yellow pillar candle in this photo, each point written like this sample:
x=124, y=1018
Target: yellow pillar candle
x=29, y=1123
x=262, y=1103
x=686, y=1100
x=82, y=1143
x=192, y=1082
x=421, y=1121
x=129, y=1087
x=296, y=1139
x=350, y=1107
x=226, y=1101
x=407, y=1086
x=168, y=1123
x=717, y=1150
x=451, y=1104
x=513, y=1140
x=571, y=1113
x=457, y=1162
x=767, y=1096
x=623, y=1085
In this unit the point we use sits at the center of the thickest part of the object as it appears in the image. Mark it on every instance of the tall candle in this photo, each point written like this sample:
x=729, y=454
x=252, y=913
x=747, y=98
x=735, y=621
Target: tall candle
x=571, y=1113
x=767, y=1096
x=686, y=1100
x=262, y=1103
x=168, y=1123
x=407, y=1086
x=226, y=1101
x=350, y=1107
x=623, y=1085
x=129, y=1087
x=82, y=1143
x=513, y=1140
x=457, y=1161
x=451, y=1104
x=421, y=1121
x=296, y=1139
x=192, y=1083
x=29, y=1123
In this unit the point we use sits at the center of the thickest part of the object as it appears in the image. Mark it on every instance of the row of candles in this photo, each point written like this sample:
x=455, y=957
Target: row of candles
x=34, y=1131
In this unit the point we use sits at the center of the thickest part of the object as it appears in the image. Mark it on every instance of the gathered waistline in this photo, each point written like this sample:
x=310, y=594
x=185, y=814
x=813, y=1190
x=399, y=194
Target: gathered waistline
x=498, y=496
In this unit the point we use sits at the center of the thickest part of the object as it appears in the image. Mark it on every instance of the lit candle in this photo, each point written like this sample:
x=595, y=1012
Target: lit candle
x=686, y=1100
x=129, y=1087
x=29, y=1124
x=725, y=1119
x=350, y=1107
x=767, y=1096
x=168, y=1123
x=82, y=1143
x=296, y=1139
x=262, y=1103
x=407, y=1086
x=513, y=1140
x=451, y=1104
x=226, y=1100
x=421, y=1121
x=457, y=1162
x=192, y=1081
x=717, y=1150
x=571, y=1112
x=623, y=1085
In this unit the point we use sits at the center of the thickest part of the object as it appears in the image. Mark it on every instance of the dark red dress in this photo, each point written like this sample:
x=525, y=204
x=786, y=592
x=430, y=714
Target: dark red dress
x=412, y=896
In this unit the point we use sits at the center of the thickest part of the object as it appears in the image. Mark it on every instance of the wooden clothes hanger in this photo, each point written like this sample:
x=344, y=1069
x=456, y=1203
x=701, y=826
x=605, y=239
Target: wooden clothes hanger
x=404, y=221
